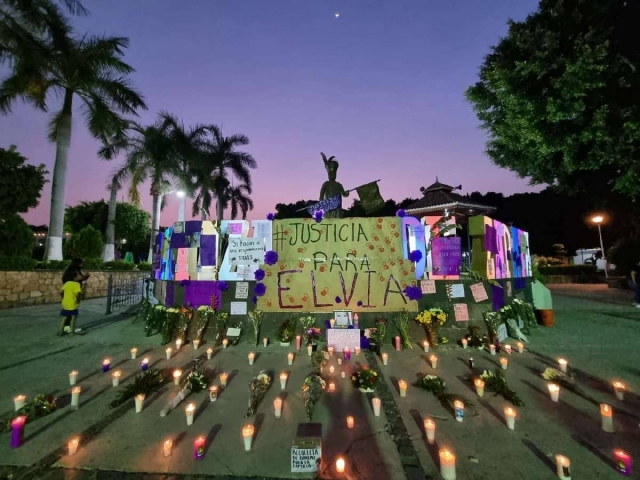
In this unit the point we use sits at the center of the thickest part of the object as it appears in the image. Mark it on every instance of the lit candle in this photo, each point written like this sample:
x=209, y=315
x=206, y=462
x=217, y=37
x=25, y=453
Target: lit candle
x=458, y=408
x=507, y=348
x=176, y=376
x=73, y=377
x=554, y=391
x=471, y=362
x=18, y=401
x=196, y=344
x=330, y=349
x=385, y=358
x=347, y=354
x=134, y=353
x=340, y=464
x=178, y=343
x=606, y=413
x=342, y=374
x=465, y=342
x=223, y=379
x=492, y=349
x=339, y=361
x=106, y=364
x=434, y=360
x=376, y=402
x=563, y=467
x=283, y=380
x=309, y=349
x=139, y=402
x=189, y=411
x=198, y=447
x=252, y=357
x=332, y=322
x=225, y=343
x=290, y=358
x=356, y=320
x=357, y=351
x=17, y=431
x=213, y=393
x=623, y=462
x=168, y=351
x=332, y=369
x=166, y=447
x=402, y=385
x=247, y=434
x=332, y=387
x=479, y=383
x=397, y=342
x=350, y=422
x=115, y=378
x=265, y=342
x=298, y=342
x=72, y=445
x=563, y=365
x=430, y=430
x=75, y=397
x=520, y=347
x=619, y=388
x=510, y=416
x=277, y=406
x=447, y=464
x=504, y=362
x=425, y=346
x=144, y=364
x=209, y=353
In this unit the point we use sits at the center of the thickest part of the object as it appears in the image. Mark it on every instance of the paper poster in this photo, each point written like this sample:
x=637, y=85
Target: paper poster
x=234, y=228
x=245, y=272
x=428, y=286
x=306, y=455
x=341, y=338
x=238, y=308
x=479, y=293
x=242, y=290
x=446, y=254
x=457, y=290
x=246, y=251
x=262, y=229
x=461, y=312
x=502, y=332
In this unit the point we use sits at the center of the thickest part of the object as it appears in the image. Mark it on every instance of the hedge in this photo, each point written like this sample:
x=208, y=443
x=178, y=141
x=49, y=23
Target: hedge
x=568, y=270
x=26, y=263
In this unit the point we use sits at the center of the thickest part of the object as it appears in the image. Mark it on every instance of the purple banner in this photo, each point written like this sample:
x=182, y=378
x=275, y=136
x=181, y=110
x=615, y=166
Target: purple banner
x=192, y=226
x=179, y=240
x=200, y=292
x=446, y=253
x=497, y=296
x=490, y=239
x=207, y=250
x=168, y=299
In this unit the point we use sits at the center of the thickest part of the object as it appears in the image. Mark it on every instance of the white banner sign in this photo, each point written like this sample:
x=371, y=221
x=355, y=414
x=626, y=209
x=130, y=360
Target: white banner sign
x=246, y=251
x=340, y=338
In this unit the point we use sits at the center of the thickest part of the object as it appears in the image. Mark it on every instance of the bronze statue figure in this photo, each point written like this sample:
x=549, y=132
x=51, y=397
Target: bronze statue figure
x=331, y=187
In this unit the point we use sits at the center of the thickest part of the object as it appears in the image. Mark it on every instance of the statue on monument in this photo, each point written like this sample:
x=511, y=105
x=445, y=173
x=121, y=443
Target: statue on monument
x=331, y=187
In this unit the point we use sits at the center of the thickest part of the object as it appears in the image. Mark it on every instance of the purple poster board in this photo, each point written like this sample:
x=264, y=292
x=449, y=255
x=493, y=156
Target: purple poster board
x=208, y=250
x=497, y=294
x=446, y=253
x=192, y=226
x=199, y=292
x=168, y=299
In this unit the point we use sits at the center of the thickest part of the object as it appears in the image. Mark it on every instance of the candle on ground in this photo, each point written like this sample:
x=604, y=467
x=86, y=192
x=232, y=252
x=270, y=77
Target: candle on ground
x=471, y=362
x=190, y=410
x=247, y=435
x=252, y=357
x=277, y=406
x=139, y=402
x=520, y=347
x=309, y=349
x=492, y=349
x=447, y=464
x=339, y=361
x=350, y=422
x=166, y=447
x=342, y=374
x=290, y=358
x=465, y=342
x=357, y=351
x=434, y=360
x=144, y=364
x=134, y=353
x=265, y=342
x=73, y=377
x=554, y=391
x=332, y=369
x=209, y=353
x=283, y=380
x=176, y=376
x=619, y=388
x=376, y=402
x=507, y=348
x=106, y=364
x=223, y=379
x=510, y=416
x=563, y=365
x=115, y=378
x=225, y=343
x=623, y=462
x=430, y=430
x=606, y=412
x=17, y=431
x=330, y=349
x=213, y=393
x=397, y=342
x=402, y=385
x=425, y=346
x=178, y=343
x=75, y=397
x=340, y=464
x=196, y=344
x=72, y=445
x=332, y=387
x=479, y=383
x=347, y=354
x=198, y=447
x=332, y=322
x=18, y=401
x=458, y=408
x=168, y=351
x=298, y=342
x=385, y=358
x=563, y=467
x=504, y=362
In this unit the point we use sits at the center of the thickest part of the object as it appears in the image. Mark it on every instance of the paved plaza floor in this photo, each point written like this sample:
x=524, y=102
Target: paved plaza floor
x=600, y=340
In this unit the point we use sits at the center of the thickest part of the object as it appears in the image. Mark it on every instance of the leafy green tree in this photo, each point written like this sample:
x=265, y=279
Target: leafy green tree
x=16, y=237
x=239, y=200
x=87, y=243
x=560, y=96
x=20, y=183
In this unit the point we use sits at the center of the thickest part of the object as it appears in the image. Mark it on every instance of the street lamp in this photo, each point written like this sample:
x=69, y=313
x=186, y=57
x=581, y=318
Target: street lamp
x=598, y=219
x=183, y=204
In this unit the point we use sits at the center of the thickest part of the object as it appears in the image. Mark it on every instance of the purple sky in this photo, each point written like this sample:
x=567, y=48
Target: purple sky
x=381, y=88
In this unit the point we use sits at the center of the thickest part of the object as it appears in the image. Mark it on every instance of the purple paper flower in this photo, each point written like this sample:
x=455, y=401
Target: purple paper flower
x=271, y=257
x=338, y=300
x=222, y=286
x=254, y=299
x=184, y=283
x=259, y=275
x=270, y=216
x=413, y=293
x=415, y=256
x=401, y=213
x=359, y=304
x=318, y=215
x=260, y=289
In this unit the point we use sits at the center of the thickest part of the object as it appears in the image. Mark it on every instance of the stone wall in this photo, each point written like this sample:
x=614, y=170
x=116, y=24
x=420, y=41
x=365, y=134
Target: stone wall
x=37, y=287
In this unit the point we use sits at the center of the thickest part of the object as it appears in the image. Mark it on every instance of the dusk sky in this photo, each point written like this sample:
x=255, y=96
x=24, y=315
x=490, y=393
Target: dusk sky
x=380, y=87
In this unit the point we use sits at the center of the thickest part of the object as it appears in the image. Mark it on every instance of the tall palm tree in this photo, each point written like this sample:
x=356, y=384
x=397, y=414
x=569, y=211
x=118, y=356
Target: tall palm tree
x=239, y=200
x=110, y=233
x=90, y=69
x=220, y=160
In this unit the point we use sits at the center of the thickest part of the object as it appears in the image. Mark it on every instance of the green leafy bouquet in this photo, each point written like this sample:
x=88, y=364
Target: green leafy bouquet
x=256, y=317
x=401, y=322
x=496, y=383
x=312, y=389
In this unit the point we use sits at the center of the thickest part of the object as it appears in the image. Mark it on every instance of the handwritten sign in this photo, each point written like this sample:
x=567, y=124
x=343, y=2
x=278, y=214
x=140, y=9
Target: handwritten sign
x=428, y=286
x=246, y=251
x=238, y=308
x=502, y=332
x=245, y=272
x=479, y=293
x=242, y=290
x=343, y=318
x=457, y=290
x=306, y=455
x=234, y=228
x=461, y=312
x=341, y=338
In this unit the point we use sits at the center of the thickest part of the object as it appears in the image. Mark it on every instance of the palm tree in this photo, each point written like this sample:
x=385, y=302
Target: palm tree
x=110, y=233
x=90, y=69
x=238, y=198
x=220, y=159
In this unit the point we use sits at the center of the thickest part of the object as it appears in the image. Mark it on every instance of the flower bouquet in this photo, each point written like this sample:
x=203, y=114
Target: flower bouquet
x=221, y=326
x=307, y=323
x=196, y=380
x=286, y=332
x=432, y=320
x=401, y=322
x=377, y=334
x=496, y=383
x=568, y=382
x=365, y=379
x=312, y=389
x=493, y=321
x=256, y=317
x=205, y=314
x=313, y=335
x=155, y=319
x=435, y=385
x=145, y=383
x=257, y=390
x=319, y=360
x=40, y=406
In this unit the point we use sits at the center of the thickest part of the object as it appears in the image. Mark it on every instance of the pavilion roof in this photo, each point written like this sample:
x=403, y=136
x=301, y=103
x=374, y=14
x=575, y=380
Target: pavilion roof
x=440, y=197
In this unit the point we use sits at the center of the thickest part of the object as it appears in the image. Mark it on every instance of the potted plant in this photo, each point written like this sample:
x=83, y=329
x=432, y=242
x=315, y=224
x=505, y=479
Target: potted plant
x=286, y=332
x=365, y=379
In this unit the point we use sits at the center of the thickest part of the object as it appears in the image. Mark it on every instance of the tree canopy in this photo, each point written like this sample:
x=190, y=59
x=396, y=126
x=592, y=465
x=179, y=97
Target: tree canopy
x=560, y=96
x=20, y=183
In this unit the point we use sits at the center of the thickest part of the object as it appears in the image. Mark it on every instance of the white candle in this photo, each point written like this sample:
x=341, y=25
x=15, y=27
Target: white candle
x=283, y=380
x=434, y=361
x=507, y=348
x=168, y=351
x=309, y=349
x=504, y=362
x=265, y=342
x=176, y=376
x=342, y=374
x=213, y=393
x=290, y=358
x=563, y=467
x=196, y=344
x=73, y=377
x=492, y=349
x=376, y=402
x=385, y=358
x=18, y=401
x=402, y=385
x=350, y=422
x=520, y=347
x=223, y=379
x=178, y=343
x=75, y=397
x=339, y=361
x=332, y=369
x=510, y=416
x=563, y=365
x=72, y=445
x=252, y=357
x=225, y=342
x=357, y=350
x=479, y=383
x=247, y=434
x=465, y=342
x=209, y=353
x=330, y=349
x=115, y=378
x=166, y=447
x=619, y=388
x=332, y=387
x=425, y=346
x=430, y=430
x=447, y=464
x=554, y=391
x=139, y=402
x=134, y=353
x=277, y=405
x=606, y=413
x=340, y=465
x=190, y=411
x=332, y=322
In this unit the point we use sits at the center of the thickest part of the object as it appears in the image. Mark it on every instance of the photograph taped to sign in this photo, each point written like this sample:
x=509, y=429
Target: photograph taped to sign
x=343, y=318
x=246, y=251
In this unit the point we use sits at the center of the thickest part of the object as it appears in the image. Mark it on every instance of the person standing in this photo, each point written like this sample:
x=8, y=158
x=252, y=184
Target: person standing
x=73, y=273
x=635, y=283
x=71, y=294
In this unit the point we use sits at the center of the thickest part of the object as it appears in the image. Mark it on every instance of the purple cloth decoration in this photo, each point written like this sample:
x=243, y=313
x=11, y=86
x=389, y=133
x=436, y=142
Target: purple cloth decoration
x=192, y=226
x=490, y=239
x=446, y=253
x=199, y=293
x=519, y=283
x=497, y=294
x=168, y=297
x=179, y=240
x=364, y=343
x=327, y=324
x=208, y=250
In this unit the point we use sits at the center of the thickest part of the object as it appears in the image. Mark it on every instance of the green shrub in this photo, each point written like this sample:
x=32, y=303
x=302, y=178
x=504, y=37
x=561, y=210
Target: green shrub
x=144, y=267
x=87, y=243
x=119, y=265
x=16, y=238
x=624, y=254
x=93, y=264
x=568, y=270
x=17, y=263
x=54, y=265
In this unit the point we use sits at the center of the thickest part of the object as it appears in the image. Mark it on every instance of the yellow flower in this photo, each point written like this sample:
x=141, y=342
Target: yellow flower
x=375, y=374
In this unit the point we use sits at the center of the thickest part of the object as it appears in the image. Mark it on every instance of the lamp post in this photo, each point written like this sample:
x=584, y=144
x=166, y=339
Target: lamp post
x=598, y=219
x=183, y=204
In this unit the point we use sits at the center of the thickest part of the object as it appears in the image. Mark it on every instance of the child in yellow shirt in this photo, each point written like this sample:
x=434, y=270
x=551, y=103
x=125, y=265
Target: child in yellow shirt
x=71, y=293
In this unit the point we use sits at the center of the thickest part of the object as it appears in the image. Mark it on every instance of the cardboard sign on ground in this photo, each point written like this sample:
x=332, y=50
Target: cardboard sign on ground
x=306, y=454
